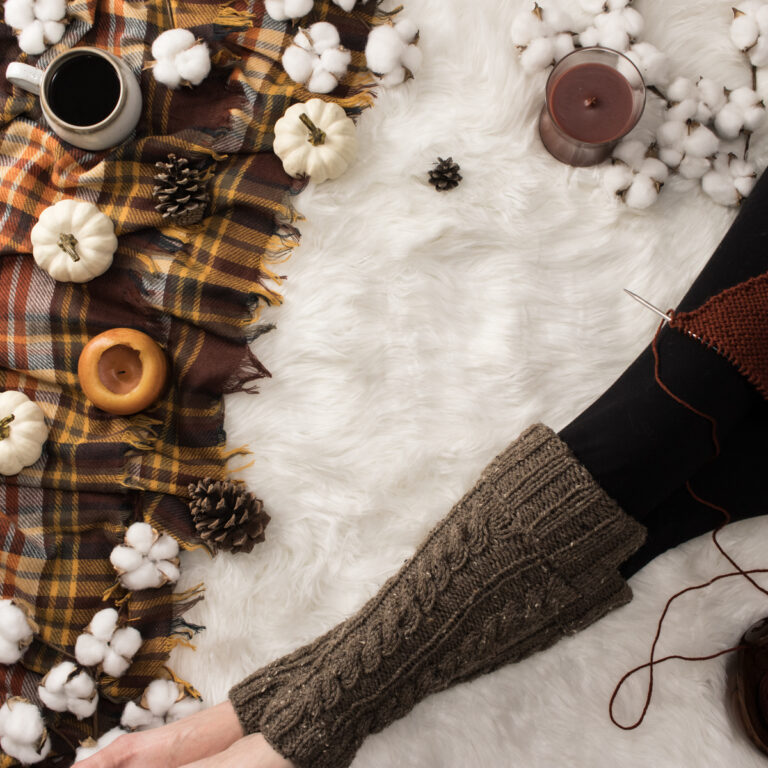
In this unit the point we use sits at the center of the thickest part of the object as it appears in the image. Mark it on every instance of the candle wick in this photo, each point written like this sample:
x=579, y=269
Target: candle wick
x=590, y=102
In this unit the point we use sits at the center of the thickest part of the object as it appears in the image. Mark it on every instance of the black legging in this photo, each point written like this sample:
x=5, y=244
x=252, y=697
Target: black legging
x=642, y=446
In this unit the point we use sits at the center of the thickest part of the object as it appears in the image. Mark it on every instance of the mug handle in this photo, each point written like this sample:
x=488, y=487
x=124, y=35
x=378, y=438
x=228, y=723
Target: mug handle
x=24, y=76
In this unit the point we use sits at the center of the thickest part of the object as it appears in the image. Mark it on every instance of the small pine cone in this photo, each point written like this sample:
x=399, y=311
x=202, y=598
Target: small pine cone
x=227, y=516
x=445, y=175
x=180, y=192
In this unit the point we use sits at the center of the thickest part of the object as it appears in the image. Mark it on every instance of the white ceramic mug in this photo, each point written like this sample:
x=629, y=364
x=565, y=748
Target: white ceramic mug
x=120, y=105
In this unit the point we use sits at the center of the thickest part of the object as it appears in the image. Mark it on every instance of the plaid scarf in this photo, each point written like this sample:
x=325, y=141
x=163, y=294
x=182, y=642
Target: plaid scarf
x=196, y=291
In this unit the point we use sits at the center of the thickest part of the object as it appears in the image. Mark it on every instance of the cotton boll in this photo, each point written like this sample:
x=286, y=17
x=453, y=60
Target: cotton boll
x=10, y=652
x=654, y=169
x=24, y=753
x=19, y=13
x=103, y=623
x=112, y=735
x=146, y=576
x=593, y=6
x=642, y=194
x=345, y=5
x=165, y=72
x=141, y=536
x=720, y=187
x=168, y=569
x=393, y=78
x=383, y=49
x=617, y=178
x=744, y=32
x=324, y=36
x=614, y=36
x=701, y=142
x=745, y=184
x=407, y=30
x=23, y=722
x=616, y=5
x=56, y=702
x=712, y=93
x=58, y=676
x=336, y=61
x=126, y=641
x=589, y=37
x=758, y=53
x=160, y=696
x=632, y=20
x=50, y=10
x=125, y=558
x=81, y=686
x=694, y=167
x=298, y=63
x=194, y=64
x=184, y=708
x=631, y=152
x=411, y=59
x=556, y=19
x=295, y=9
x=83, y=708
x=114, y=664
x=652, y=63
x=526, y=27
x=89, y=650
x=729, y=121
x=53, y=31
x=14, y=626
x=322, y=81
x=681, y=88
x=32, y=38
x=685, y=110
x=135, y=717
x=538, y=55
x=761, y=17
x=563, y=44
x=672, y=134
x=276, y=9
x=754, y=118
x=166, y=46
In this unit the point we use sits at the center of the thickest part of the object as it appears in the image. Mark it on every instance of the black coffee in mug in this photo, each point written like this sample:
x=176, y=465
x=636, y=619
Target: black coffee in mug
x=83, y=90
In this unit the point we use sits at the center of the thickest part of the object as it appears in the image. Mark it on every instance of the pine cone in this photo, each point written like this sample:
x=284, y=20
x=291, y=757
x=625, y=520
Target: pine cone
x=180, y=193
x=445, y=175
x=227, y=516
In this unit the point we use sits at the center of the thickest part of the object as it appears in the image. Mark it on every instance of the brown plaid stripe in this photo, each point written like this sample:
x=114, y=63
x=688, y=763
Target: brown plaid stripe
x=198, y=292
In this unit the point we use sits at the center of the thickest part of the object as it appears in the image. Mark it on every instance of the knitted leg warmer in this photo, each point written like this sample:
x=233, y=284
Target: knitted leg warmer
x=528, y=555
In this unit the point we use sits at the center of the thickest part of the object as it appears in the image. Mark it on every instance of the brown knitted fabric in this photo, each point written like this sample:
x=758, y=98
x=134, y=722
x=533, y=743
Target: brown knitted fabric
x=528, y=555
x=735, y=322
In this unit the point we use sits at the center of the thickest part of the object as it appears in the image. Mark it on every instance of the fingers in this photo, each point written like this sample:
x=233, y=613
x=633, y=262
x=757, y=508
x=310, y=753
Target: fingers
x=249, y=752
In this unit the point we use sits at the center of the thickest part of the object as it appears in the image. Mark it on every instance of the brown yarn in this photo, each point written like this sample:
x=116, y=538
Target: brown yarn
x=652, y=662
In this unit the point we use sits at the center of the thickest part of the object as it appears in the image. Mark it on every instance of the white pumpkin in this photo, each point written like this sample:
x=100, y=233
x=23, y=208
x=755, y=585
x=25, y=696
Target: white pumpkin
x=23, y=432
x=315, y=139
x=73, y=241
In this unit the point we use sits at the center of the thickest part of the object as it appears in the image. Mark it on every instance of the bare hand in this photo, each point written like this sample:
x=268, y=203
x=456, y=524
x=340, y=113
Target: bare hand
x=249, y=752
x=199, y=736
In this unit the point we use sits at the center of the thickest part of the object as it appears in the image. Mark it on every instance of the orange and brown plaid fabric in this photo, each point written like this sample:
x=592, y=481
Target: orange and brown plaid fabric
x=198, y=292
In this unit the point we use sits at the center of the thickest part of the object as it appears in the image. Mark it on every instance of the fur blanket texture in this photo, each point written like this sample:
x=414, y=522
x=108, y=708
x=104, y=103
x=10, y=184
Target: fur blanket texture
x=420, y=333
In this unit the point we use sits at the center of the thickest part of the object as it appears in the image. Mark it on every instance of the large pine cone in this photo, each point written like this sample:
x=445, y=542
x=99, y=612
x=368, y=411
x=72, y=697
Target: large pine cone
x=227, y=516
x=180, y=192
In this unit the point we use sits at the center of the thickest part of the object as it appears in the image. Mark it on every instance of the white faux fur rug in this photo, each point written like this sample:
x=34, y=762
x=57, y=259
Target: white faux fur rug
x=420, y=334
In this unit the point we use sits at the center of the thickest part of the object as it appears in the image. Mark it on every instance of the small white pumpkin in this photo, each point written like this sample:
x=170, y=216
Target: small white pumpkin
x=23, y=432
x=315, y=139
x=73, y=241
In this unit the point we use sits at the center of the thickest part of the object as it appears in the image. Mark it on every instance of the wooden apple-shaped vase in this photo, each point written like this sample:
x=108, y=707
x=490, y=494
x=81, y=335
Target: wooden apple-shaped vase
x=122, y=371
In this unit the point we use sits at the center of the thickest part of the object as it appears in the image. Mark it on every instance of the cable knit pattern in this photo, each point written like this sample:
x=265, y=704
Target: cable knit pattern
x=528, y=555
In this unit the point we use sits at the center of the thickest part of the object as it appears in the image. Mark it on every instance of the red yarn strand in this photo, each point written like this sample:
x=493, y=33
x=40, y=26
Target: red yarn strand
x=653, y=661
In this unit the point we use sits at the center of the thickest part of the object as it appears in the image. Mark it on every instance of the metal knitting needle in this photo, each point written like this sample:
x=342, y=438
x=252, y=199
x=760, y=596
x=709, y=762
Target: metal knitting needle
x=667, y=317
x=648, y=304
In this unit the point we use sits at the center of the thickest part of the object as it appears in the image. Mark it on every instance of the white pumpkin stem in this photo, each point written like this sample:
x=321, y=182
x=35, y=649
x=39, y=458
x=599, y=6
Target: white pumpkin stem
x=68, y=244
x=5, y=426
x=316, y=135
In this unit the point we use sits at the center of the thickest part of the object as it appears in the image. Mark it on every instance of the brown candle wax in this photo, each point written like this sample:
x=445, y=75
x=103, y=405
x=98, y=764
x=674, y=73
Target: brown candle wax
x=592, y=103
x=120, y=369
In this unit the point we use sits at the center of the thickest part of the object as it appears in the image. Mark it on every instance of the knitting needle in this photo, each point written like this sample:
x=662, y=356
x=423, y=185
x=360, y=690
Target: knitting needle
x=648, y=304
x=663, y=314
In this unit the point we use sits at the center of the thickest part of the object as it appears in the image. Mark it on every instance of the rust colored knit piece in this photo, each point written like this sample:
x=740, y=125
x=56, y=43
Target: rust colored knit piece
x=528, y=555
x=735, y=323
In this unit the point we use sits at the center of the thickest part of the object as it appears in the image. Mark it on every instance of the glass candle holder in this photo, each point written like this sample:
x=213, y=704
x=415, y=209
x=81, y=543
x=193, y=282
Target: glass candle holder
x=594, y=97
